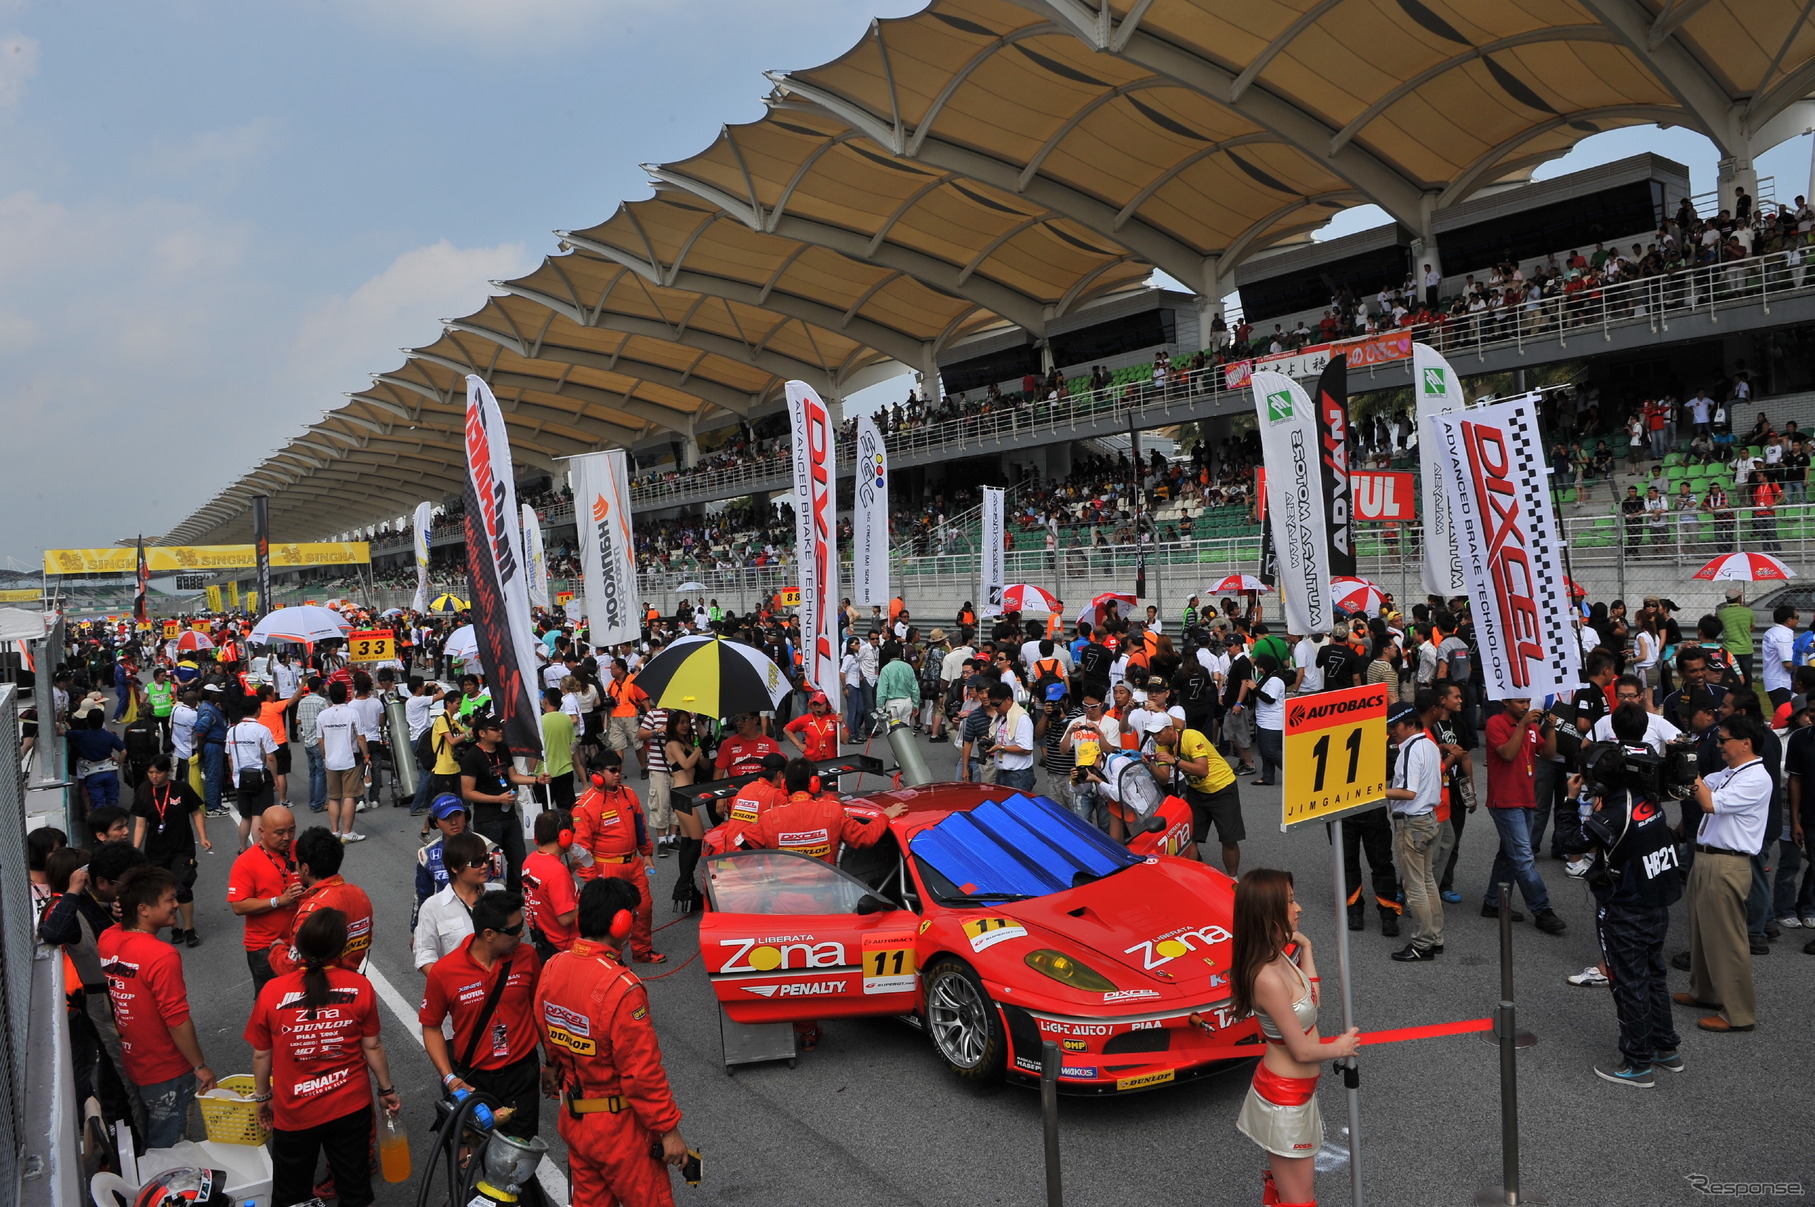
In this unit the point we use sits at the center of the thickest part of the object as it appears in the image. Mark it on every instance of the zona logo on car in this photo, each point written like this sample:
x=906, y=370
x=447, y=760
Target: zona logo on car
x=782, y=954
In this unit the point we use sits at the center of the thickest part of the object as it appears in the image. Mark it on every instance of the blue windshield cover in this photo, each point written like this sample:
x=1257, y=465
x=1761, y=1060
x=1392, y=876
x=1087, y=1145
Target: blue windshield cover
x=1025, y=845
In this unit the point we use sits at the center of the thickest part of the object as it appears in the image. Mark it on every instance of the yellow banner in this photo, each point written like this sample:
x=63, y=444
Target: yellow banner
x=166, y=558
x=214, y=599
x=233, y=595
x=252, y=601
x=21, y=595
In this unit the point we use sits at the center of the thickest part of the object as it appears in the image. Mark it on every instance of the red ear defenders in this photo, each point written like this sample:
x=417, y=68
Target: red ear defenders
x=620, y=925
x=813, y=785
x=598, y=781
x=565, y=837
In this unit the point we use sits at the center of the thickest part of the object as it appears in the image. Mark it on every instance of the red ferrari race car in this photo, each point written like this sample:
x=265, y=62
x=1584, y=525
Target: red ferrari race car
x=994, y=920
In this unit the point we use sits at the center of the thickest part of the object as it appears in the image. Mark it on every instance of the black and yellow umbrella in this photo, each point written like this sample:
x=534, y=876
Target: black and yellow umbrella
x=713, y=676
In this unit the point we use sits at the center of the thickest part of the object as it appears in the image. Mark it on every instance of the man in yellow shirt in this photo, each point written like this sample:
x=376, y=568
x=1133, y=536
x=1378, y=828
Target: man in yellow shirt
x=1209, y=786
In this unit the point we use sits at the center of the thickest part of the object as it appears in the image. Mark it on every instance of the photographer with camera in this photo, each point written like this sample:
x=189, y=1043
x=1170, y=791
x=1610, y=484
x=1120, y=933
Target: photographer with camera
x=1735, y=804
x=1635, y=876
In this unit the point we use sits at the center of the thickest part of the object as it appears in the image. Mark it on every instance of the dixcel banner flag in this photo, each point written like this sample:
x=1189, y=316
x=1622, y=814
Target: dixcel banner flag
x=1335, y=441
x=816, y=537
x=870, y=532
x=1437, y=391
x=1295, y=500
x=261, y=548
x=533, y=557
x=601, y=492
x=1494, y=477
x=419, y=527
x=494, y=562
x=989, y=595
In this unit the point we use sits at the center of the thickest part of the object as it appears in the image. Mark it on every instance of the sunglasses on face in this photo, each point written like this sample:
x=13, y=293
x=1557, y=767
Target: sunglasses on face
x=512, y=931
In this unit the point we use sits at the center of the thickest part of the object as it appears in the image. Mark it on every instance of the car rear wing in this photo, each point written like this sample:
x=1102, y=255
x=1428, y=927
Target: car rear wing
x=693, y=796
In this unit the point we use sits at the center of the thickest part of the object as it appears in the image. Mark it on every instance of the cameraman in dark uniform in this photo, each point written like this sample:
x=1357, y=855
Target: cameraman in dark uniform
x=1636, y=877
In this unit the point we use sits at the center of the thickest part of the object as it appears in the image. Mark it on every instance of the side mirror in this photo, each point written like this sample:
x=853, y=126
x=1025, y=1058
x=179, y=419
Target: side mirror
x=1153, y=823
x=870, y=903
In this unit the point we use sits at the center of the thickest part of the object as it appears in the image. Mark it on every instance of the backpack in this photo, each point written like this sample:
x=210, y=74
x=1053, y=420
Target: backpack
x=425, y=748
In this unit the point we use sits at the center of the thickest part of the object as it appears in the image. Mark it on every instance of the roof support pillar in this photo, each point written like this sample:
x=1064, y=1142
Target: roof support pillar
x=1737, y=172
x=1209, y=289
x=1426, y=258
x=930, y=389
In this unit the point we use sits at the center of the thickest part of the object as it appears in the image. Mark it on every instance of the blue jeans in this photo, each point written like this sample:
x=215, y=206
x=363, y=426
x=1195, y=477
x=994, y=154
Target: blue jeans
x=1022, y=779
x=1513, y=864
x=167, y=1110
x=1272, y=744
x=856, y=705
x=318, y=778
x=421, y=803
x=103, y=789
x=214, y=773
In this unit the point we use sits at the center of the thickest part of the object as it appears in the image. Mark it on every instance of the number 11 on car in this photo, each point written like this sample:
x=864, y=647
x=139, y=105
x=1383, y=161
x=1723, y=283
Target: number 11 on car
x=1335, y=751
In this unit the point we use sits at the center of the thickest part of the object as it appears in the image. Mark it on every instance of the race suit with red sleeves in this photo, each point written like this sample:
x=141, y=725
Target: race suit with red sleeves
x=615, y=1101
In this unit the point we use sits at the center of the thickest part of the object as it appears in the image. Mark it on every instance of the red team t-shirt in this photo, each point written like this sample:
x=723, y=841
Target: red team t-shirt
x=548, y=893
x=318, y=1069
x=741, y=756
x=819, y=733
x=1510, y=783
x=259, y=875
x=458, y=986
x=145, y=981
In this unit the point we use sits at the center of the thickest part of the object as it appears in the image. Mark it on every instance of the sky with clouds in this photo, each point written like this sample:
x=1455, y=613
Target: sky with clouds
x=217, y=218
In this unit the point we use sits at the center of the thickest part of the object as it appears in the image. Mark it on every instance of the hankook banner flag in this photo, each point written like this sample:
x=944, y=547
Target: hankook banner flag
x=989, y=595
x=1497, y=486
x=534, y=558
x=601, y=494
x=1336, y=440
x=870, y=530
x=1296, y=502
x=816, y=537
x=420, y=527
x=1437, y=391
x=494, y=562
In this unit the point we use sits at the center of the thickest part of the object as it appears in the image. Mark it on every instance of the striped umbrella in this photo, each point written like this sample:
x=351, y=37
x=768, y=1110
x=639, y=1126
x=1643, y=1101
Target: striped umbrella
x=713, y=676
x=1234, y=583
x=1353, y=594
x=1745, y=568
x=1024, y=597
x=448, y=603
x=189, y=639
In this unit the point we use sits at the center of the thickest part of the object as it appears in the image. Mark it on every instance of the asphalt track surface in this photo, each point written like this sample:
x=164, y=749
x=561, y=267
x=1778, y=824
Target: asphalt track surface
x=873, y=1118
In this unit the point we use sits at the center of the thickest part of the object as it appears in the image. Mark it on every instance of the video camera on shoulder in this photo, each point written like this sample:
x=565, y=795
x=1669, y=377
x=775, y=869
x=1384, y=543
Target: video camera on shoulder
x=1609, y=767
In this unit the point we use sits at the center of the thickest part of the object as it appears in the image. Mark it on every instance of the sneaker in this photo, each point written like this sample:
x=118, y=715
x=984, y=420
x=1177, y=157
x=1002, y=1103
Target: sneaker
x=938, y=737
x=1808, y=920
x=1669, y=1061
x=654, y=957
x=661, y=849
x=1493, y=911
x=351, y=836
x=1452, y=896
x=1411, y=953
x=1627, y=1074
x=1680, y=961
x=176, y=935
x=1789, y=922
x=1590, y=977
x=1389, y=925
x=190, y=938
x=1548, y=922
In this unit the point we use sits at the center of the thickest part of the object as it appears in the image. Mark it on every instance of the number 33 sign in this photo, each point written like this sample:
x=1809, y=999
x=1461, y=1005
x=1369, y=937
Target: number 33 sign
x=1335, y=751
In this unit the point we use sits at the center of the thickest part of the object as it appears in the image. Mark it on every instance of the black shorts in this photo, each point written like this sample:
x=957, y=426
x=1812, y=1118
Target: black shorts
x=283, y=758
x=252, y=802
x=1224, y=808
x=183, y=868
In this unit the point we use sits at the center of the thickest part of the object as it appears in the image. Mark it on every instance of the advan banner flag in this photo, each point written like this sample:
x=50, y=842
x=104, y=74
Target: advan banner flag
x=601, y=491
x=1497, y=486
x=989, y=596
x=420, y=525
x=1335, y=440
x=1438, y=392
x=494, y=562
x=816, y=536
x=261, y=548
x=533, y=558
x=1295, y=500
x=870, y=532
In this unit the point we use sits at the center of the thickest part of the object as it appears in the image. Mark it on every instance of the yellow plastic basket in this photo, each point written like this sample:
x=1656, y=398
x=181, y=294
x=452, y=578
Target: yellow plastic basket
x=230, y=1114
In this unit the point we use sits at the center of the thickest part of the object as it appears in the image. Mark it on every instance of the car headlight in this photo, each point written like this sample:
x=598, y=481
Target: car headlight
x=1067, y=971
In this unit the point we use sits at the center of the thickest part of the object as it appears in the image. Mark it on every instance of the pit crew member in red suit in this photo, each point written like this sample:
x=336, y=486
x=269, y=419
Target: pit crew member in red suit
x=608, y=824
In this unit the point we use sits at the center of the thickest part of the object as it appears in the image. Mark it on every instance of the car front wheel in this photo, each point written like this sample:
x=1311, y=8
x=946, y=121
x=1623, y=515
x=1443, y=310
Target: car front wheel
x=965, y=1025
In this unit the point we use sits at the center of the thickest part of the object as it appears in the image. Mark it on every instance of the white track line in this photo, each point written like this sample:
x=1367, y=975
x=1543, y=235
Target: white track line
x=554, y=1182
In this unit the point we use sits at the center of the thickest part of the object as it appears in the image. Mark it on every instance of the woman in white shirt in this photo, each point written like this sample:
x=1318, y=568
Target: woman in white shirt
x=1647, y=646
x=1270, y=722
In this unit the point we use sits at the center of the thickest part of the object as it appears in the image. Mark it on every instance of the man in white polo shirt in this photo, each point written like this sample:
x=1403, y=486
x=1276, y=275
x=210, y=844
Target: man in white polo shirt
x=342, y=744
x=1778, y=662
x=1416, y=780
x=1735, y=807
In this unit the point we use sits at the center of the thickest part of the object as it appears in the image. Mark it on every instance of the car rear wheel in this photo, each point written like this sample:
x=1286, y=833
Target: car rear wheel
x=965, y=1025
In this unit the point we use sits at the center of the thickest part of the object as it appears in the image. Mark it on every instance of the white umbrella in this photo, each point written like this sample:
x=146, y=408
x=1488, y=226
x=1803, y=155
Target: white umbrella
x=462, y=643
x=299, y=622
x=1745, y=568
x=691, y=587
x=1025, y=597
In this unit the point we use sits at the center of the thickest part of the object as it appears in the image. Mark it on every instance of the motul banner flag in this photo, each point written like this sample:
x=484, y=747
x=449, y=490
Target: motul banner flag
x=1335, y=440
x=534, y=558
x=261, y=549
x=424, y=520
x=1296, y=503
x=1497, y=485
x=601, y=496
x=816, y=537
x=1437, y=391
x=989, y=596
x=870, y=531
x=494, y=562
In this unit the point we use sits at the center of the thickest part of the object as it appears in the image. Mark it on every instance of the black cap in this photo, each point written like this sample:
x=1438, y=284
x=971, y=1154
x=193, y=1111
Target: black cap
x=773, y=762
x=1401, y=714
